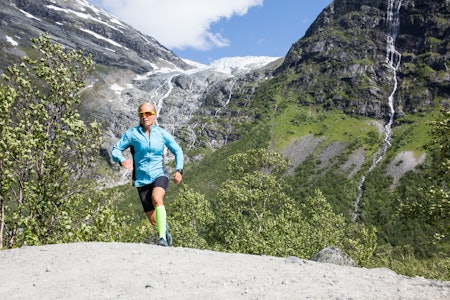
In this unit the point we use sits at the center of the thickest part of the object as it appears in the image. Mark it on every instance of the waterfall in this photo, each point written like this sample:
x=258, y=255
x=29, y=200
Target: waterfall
x=230, y=94
x=393, y=58
x=160, y=103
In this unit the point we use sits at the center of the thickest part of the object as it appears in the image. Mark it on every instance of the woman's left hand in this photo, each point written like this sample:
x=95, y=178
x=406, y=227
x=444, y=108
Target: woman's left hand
x=177, y=177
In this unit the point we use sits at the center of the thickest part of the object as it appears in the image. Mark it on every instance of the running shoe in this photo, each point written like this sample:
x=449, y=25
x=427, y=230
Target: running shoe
x=161, y=242
x=168, y=235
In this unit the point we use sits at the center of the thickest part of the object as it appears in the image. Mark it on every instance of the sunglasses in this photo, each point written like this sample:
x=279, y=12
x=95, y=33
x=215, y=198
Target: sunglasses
x=146, y=113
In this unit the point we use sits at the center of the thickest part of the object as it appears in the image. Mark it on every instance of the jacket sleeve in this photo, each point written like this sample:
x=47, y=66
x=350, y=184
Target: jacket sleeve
x=119, y=147
x=173, y=146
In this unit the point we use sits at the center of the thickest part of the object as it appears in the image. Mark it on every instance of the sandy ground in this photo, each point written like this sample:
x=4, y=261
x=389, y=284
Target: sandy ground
x=144, y=271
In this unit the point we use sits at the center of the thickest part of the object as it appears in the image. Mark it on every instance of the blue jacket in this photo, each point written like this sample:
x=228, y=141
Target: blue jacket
x=148, y=153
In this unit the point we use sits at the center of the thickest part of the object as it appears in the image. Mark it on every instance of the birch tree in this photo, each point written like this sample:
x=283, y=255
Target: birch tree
x=45, y=147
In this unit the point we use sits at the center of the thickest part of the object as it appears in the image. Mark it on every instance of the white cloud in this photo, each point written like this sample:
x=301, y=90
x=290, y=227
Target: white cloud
x=179, y=24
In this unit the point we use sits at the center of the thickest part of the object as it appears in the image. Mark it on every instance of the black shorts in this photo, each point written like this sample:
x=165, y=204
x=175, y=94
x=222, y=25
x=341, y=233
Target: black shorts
x=145, y=192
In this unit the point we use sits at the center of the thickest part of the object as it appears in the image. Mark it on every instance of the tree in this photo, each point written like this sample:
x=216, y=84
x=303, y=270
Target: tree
x=255, y=215
x=435, y=208
x=45, y=147
x=191, y=216
x=439, y=210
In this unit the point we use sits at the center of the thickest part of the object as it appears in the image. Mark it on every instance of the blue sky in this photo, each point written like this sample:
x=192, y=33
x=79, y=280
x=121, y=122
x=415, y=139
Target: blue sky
x=207, y=30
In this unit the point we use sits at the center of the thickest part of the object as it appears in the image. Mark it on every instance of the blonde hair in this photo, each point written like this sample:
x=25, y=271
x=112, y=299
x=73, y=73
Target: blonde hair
x=152, y=106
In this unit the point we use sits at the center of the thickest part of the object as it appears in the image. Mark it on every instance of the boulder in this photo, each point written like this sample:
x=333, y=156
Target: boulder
x=334, y=255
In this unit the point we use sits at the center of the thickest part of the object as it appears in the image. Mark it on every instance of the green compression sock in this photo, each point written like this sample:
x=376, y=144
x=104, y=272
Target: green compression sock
x=161, y=221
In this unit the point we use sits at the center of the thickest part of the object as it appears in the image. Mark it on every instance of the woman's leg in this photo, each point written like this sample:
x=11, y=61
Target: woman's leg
x=151, y=216
x=160, y=211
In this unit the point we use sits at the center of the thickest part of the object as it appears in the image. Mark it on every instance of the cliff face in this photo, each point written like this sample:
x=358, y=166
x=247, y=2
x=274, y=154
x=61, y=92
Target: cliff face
x=341, y=60
x=424, y=44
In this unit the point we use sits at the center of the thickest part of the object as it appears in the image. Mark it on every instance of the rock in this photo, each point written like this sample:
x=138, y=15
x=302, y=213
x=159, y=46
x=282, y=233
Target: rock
x=334, y=255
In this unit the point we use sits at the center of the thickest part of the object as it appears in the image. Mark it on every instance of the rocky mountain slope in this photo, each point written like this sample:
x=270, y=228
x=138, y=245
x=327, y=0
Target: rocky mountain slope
x=341, y=61
x=80, y=25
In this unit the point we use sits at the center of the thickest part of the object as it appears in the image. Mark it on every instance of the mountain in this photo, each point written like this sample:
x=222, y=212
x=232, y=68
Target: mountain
x=386, y=60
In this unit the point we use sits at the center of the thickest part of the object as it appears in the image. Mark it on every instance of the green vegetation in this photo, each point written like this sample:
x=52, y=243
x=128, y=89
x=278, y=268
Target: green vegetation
x=47, y=152
x=434, y=209
x=254, y=214
x=298, y=121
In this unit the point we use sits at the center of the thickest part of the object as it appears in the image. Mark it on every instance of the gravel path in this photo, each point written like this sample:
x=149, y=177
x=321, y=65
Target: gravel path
x=144, y=271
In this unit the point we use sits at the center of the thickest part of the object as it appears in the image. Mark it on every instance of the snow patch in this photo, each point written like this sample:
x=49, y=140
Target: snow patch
x=100, y=37
x=116, y=88
x=83, y=16
x=232, y=65
x=11, y=41
x=28, y=15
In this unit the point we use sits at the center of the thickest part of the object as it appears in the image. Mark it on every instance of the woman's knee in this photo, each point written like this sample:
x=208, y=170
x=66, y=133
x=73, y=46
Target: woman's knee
x=157, y=201
x=158, y=196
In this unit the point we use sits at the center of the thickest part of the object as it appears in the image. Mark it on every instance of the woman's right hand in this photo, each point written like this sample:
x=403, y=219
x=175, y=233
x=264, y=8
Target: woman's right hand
x=127, y=164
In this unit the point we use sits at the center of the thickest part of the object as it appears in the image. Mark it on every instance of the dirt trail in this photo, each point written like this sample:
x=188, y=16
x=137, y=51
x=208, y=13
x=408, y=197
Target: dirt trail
x=143, y=271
